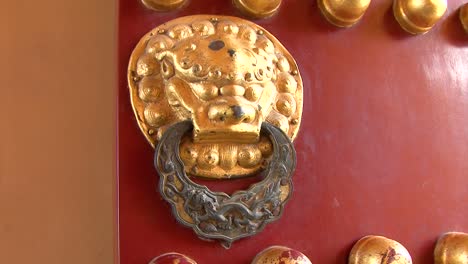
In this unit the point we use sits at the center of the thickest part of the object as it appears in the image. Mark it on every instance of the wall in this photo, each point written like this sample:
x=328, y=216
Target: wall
x=57, y=131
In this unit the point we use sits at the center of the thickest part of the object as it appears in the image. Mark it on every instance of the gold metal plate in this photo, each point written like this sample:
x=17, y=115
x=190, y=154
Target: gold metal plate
x=227, y=75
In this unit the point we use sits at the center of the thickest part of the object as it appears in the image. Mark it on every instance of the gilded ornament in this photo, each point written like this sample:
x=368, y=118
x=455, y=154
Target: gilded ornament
x=257, y=8
x=286, y=83
x=452, y=248
x=164, y=5
x=283, y=64
x=249, y=157
x=378, y=250
x=464, y=16
x=343, y=13
x=418, y=16
x=286, y=104
x=280, y=255
x=278, y=120
x=228, y=156
x=253, y=92
x=171, y=258
x=265, y=147
x=154, y=115
x=150, y=89
x=159, y=43
x=209, y=157
x=188, y=153
x=227, y=75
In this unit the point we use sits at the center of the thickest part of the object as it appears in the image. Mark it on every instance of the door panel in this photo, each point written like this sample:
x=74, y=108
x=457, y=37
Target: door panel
x=382, y=147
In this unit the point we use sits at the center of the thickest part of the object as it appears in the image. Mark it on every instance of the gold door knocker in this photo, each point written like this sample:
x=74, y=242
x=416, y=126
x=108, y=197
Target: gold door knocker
x=220, y=98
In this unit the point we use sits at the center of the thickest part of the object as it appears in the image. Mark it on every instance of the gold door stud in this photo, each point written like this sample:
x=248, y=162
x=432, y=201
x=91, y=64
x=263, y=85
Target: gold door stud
x=452, y=248
x=280, y=255
x=464, y=16
x=164, y=5
x=378, y=250
x=343, y=13
x=418, y=16
x=257, y=8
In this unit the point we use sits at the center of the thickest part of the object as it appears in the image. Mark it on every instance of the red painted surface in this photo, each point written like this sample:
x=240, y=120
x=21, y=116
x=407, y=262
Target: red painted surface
x=383, y=146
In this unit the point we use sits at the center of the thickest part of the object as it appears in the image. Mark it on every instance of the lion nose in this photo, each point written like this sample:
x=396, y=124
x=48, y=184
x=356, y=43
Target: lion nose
x=232, y=90
x=235, y=114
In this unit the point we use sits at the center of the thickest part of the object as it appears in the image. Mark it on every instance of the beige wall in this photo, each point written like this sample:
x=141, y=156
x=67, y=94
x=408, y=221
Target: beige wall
x=57, y=131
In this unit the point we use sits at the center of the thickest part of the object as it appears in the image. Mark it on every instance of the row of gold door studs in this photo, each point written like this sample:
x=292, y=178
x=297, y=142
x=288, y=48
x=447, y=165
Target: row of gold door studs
x=451, y=248
x=414, y=16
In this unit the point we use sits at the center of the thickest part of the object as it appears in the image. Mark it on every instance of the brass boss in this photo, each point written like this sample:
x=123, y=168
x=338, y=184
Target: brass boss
x=164, y=5
x=378, y=250
x=464, y=16
x=418, y=16
x=451, y=248
x=343, y=13
x=258, y=8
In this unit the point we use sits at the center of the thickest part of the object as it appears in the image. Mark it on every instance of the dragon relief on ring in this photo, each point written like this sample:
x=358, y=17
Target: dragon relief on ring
x=225, y=74
x=216, y=215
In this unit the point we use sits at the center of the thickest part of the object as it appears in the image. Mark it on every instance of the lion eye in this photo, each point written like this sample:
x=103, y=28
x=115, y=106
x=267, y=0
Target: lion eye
x=216, y=45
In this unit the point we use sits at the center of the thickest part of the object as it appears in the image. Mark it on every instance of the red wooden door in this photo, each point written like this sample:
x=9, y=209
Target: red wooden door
x=382, y=149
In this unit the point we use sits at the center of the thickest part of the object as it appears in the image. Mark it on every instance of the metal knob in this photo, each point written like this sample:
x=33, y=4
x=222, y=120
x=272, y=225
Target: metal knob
x=452, y=248
x=171, y=258
x=343, y=13
x=279, y=255
x=418, y=16
x=164, y=5
x=378, y=250
x=258, y=8
x=464, y=16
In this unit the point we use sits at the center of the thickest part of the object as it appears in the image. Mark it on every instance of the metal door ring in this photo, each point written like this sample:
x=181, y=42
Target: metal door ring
x=216, y=215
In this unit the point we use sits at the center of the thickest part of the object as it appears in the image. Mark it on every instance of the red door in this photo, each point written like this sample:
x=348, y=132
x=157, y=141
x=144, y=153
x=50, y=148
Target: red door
x=382, y=148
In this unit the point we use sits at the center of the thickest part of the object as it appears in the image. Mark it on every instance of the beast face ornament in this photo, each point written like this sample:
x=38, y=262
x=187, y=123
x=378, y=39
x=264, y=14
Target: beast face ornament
x=218, y=97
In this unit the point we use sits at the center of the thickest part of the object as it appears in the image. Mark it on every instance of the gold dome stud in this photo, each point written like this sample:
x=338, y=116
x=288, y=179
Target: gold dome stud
x=280, y=255
x=173, y=257
x=452, y=248
x=164, y=5
x=257, y=8
x=343, y=13
x=378, y=250
x=464, y=16
x=418, y=16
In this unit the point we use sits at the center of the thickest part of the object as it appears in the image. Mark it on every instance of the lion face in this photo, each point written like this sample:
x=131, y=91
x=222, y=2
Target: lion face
x=227, y=76
x=224, y=79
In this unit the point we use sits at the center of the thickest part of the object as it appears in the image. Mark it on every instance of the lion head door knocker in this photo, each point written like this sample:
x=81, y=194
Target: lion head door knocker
x=220, y=98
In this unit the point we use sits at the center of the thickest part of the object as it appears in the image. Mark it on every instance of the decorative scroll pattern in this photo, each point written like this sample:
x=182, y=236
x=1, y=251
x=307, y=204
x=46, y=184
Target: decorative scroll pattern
x=216, y=215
